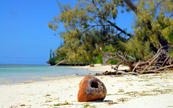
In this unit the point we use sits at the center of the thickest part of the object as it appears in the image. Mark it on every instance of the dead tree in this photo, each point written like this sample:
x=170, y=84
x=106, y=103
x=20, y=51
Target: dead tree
x=161, y=61
x=122, y=59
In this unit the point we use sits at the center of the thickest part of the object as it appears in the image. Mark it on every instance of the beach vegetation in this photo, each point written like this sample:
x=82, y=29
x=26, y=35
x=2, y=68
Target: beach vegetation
x=123, y=99
x=109, y=94
x=90, y=24
x=163, y=91
x=61, y=104
x=121, y=90
x=55, y=60
x=149, y=85
x=112, y=103
x=86, y=106
x=48, y=95
x=153, y=92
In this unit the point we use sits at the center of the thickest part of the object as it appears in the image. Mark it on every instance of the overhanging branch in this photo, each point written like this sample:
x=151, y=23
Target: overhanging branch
x=118, y=28
x=112, y=24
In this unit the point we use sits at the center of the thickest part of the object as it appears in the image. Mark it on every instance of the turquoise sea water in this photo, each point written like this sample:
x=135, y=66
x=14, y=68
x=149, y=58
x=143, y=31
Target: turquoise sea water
x=22, y=73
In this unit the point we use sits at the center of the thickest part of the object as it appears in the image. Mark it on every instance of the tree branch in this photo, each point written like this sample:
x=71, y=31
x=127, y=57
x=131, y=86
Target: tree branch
x=112, y=24
x=91, y=26
x=135, y=10
x=131, y=5
x=128, y=34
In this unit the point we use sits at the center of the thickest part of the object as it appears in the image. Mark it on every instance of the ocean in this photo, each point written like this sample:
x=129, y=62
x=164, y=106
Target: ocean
x=10, y=74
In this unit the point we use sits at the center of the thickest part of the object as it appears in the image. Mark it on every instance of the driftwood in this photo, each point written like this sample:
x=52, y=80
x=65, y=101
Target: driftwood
x=62, y=61
x=158, y=63
x=122, y=59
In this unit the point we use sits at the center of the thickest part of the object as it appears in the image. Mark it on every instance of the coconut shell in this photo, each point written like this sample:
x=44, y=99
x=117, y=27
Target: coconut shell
x=91, y=89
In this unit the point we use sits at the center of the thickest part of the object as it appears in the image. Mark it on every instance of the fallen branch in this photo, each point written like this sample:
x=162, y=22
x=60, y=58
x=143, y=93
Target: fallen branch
x=150, y=63
x=136, y=66
x=159, y=62
x=165, y=61
x=157, y=70
x=121, y=60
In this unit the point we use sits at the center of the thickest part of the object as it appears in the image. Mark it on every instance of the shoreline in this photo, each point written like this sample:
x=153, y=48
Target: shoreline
x=122, y=91
x=42, y=79
x=20, y=74
x=100, y=67
x=97, y=68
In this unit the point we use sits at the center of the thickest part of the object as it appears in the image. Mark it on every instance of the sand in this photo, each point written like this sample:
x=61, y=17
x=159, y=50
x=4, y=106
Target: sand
x=128, y=91
x=101, y=68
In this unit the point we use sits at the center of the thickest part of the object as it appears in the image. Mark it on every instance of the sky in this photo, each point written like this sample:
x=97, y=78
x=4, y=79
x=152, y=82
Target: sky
x=25, y=37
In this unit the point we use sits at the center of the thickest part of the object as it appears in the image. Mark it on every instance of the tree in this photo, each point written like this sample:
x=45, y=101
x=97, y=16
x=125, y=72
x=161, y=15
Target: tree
x=88, y=28
x=50, y=53
x=153, y=27
x=90, y=25
x=89, y=14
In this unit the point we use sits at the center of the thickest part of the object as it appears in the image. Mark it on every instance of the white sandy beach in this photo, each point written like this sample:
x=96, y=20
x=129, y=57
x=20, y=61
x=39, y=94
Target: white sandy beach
x=128, y=91
x=101, y=68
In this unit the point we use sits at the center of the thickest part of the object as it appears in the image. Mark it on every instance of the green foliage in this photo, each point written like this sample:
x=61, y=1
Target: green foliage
x=99, y=59
x=55, y=60
x=171, y=53
x=139, y=46
x=113, y=62
x=88, y=28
